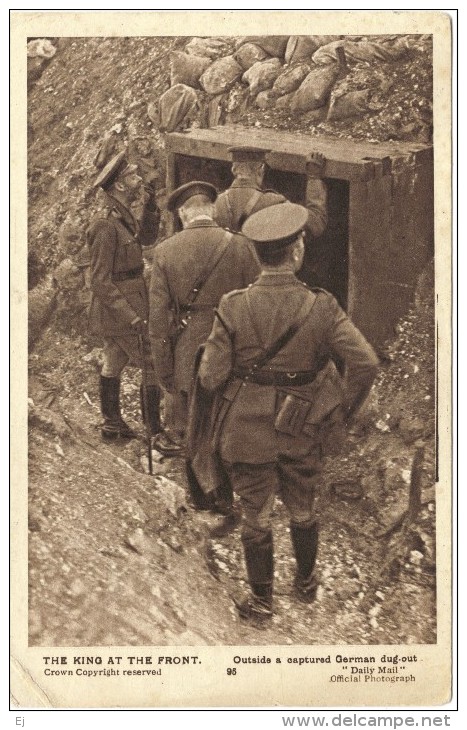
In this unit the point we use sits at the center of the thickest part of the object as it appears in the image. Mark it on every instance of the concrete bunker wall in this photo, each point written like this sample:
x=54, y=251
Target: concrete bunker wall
x=380, y=209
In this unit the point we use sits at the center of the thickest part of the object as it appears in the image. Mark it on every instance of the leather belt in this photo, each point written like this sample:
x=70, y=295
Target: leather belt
x=276, y=377
x=131, y=274
x=197, y=308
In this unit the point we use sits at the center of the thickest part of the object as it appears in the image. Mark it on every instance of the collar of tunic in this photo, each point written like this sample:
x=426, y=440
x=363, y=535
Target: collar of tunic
x=202, y=223
x=275, y=278
x=244, y=184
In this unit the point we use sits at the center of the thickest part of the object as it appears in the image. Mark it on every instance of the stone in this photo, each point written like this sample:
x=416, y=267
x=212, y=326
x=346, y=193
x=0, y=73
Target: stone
x=411, y=429
x=137, y=541
x=67, y=276
x=416, y=557
x=249, y=54
x=264, y=100
x=172, y=496
x=42, y=301
x=262, y=75
x=41, y=47
x=70, y=238
x=221, y=75
x=211, y=47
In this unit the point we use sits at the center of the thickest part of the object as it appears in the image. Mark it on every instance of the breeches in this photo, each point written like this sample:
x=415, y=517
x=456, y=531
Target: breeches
x=257, y=485
x=121, y=351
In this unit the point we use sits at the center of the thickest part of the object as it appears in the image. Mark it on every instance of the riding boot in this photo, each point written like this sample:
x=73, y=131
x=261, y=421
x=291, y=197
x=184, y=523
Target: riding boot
x=224, y=505
x=152, y=398
x=305, y=546
x=114, y=426
x=259, y=559
x=202, y=501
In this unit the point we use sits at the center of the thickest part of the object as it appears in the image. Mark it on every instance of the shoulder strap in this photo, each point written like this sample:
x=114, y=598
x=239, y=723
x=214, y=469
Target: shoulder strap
x=303, y=314
x=248, y=209
x=206, y=273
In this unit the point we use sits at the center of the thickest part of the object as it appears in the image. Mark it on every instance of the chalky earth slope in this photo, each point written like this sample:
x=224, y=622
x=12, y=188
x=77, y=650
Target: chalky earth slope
x=117, y=557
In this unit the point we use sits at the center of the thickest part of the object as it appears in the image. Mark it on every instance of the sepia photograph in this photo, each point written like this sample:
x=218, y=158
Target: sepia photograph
x=233, y=437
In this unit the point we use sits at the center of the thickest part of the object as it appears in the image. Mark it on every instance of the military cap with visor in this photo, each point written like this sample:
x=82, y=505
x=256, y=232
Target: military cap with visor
x=248, y=154
x=184, y=192
x=111, y=171
x=276, y=227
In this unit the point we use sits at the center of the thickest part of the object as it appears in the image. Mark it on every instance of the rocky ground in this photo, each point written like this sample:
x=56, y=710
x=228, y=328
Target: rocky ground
x=119, y=557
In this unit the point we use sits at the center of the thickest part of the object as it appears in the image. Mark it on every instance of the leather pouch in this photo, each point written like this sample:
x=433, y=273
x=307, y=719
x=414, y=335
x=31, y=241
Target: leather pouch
x=292, y=415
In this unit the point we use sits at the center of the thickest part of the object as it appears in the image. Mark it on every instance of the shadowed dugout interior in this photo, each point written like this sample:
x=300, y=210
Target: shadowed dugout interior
x=380, y=211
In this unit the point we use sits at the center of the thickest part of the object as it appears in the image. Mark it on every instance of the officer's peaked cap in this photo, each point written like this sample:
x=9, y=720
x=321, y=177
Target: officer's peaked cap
x=276, y=226
x=184, y=192
x=248, y=154
x=111, y=171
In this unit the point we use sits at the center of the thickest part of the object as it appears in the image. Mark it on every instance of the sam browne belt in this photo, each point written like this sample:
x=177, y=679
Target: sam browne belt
x=276, y=377
x=131, y=274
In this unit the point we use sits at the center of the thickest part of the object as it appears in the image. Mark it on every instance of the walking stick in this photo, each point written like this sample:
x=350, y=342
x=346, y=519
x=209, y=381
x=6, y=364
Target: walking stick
x=146, y=419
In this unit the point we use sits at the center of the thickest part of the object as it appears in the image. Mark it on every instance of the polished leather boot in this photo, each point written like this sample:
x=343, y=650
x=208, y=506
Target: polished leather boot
x=305, y=546
x=259, y=559
x=114, y=426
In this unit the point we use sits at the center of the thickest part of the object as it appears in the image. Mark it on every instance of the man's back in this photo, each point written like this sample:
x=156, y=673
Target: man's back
x=241, y=200
x=205, y=256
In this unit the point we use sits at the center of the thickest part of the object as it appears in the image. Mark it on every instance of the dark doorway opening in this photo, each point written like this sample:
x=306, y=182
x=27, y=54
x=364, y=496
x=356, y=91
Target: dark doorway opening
x=326, y=261
x=216, y=172
x=326, y=257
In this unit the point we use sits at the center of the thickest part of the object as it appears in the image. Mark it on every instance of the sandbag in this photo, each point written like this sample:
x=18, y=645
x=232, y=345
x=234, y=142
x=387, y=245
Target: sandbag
x=248, y=54
x=349, y=105
x=367, y=51
x=262, y=75
x=212, y=48
x=301, y=47
x=274, y=45
x=221, y=75
x=290, y=79
x=176, y=106
x=315, y=90
x=187, y=69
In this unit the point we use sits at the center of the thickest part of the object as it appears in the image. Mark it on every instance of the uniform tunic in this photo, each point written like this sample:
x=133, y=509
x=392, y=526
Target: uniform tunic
x=261, y=460
x=177, y=265
x=119, y=293
x=233, y=205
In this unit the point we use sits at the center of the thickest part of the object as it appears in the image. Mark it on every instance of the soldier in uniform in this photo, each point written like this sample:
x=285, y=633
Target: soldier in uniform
x=270, y=357
x=191, y=271
x=119, y=305
x=245, y=196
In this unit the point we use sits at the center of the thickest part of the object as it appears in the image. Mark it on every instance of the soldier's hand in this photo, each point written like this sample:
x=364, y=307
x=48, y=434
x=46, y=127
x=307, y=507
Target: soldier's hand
x=139, y=326
x=315, y=164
